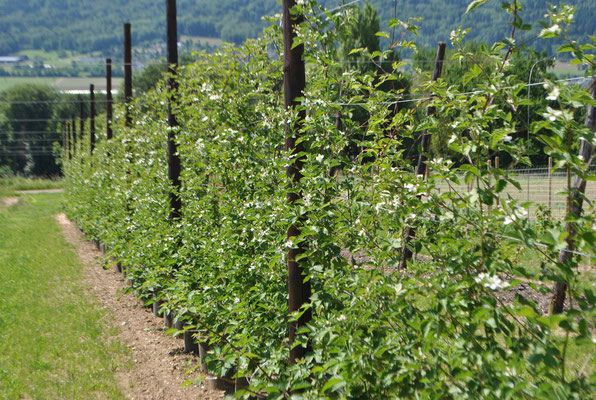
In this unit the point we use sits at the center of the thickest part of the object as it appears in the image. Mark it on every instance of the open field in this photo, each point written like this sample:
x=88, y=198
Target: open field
x=8, y=82
x=202, y=40
x=83, y=83
x=8, y=186
x=61, y=83
x=563, y=68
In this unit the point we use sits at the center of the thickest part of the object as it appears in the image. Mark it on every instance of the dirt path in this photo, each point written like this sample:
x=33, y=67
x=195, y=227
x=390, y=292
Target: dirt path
x=40, y=191
x=9, y=201
x=159, y=363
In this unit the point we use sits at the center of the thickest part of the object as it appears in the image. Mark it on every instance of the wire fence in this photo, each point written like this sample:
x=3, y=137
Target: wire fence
x=539, y=186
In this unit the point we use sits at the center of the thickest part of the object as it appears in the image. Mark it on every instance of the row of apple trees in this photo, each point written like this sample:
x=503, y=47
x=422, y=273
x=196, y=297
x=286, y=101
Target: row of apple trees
x=451, y=325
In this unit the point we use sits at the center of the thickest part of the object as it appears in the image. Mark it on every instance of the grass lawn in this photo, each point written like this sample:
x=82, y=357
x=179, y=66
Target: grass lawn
x=73, y=83
x=53, y=337
x=8, y=186
x=6, y=82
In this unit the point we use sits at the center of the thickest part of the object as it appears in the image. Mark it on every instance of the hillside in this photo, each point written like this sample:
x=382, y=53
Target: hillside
x=91, y=25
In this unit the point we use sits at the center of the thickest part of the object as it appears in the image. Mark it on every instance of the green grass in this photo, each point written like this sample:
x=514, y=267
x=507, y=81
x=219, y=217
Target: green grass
x=83, y=83
x=6, y=82
x=202, y=40
x=59, y=83
x=54, y=343
x=8, y=186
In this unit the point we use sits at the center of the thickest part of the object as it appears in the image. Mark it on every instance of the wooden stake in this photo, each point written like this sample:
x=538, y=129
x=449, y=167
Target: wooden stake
x=74, y=135
x=575, y=206
x=109, y=99
x=407, y=253
x=550, y=183
x=490, y=164
x=92, y=118
x=127, y=72
x=70, y=141
x=299, y=291
x=81, y=116
x=174, y=165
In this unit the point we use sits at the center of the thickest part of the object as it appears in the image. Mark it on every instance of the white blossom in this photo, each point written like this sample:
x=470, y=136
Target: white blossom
x=517, y=214
x=552, y=114
x=554, y=94
x=492, y=282
x=555, y=29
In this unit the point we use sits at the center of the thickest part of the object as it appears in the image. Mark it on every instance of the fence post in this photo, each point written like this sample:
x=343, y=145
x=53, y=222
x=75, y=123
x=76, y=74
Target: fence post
x=299, y=291
x=70, y=140
x=406, y=254
x=575, y=203
x=127, y=72
x=490, y=164
x=74, y=134
x=81, y=116
x=64, y=142
x=63, y=138
x=550, y=183
x=174, y=166
x=91, y=118
x=109, y=99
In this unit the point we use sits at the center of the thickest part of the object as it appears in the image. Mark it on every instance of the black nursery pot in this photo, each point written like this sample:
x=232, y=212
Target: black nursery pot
x=167, y=319
x=156, y=307
x=190, y=346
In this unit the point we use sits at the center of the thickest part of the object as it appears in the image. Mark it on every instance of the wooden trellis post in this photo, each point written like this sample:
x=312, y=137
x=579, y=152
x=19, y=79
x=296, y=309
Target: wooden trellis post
x=174, y=165
x=91, y=118
x=127, y=72
x=575, y=202
x=299, y=291
x=109, y=99
x=406, y=254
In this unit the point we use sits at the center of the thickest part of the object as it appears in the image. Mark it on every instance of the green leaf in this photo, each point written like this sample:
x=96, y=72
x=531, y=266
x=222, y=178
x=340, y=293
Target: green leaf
x=334, y=383
x=474, y=4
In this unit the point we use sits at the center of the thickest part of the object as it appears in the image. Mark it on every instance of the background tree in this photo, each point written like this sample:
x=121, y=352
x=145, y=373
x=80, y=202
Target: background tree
x=29, y=131
x=456, y=73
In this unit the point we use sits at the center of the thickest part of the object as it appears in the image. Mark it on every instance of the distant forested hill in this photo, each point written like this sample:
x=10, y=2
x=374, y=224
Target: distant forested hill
x=91, y=25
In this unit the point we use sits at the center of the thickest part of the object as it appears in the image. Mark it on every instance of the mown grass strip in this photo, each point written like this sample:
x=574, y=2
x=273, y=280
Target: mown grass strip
x=8, y=185
x=53, y=338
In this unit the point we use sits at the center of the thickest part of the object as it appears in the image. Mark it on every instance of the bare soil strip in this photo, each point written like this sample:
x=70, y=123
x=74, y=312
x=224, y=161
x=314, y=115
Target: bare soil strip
x=160, y=365
x=9, y=201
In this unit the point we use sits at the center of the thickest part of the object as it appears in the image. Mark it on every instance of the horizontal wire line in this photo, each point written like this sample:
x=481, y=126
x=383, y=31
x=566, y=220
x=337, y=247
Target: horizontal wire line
x=360, y=103
x=58, y=101
x=461, y=94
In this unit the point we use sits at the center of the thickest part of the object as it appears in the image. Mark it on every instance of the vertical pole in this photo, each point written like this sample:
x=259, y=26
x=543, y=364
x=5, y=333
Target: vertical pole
x=299, y=291
x=92, y=118
x=497, y=166
x=550, y=183
x=127, y=72
x=70, y=140
x=490, y=164
x=74, y=132
x=81, y=116
x=109, y=99
x=575, y=205
x=63, y=139
x=174, y=166
x=406, y=254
